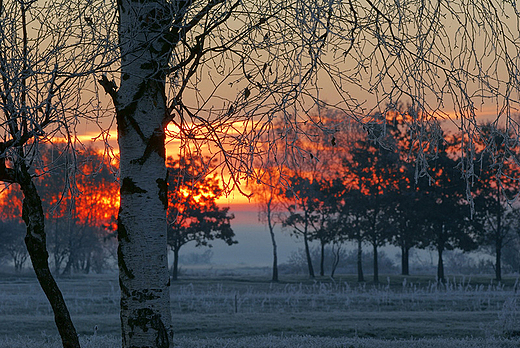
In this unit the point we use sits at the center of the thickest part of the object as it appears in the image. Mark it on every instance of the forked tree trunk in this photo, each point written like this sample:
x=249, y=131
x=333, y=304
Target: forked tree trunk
x=68, y=267
x=141, y=112
x=35, y=240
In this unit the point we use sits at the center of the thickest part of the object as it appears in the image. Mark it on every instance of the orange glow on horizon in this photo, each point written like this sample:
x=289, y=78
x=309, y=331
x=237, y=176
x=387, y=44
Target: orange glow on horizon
x=234, y=199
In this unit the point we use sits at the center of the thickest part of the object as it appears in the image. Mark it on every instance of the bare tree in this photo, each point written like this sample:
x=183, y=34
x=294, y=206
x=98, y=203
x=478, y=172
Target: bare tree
x=267, y=193
x=222, y=71
x=46, y=50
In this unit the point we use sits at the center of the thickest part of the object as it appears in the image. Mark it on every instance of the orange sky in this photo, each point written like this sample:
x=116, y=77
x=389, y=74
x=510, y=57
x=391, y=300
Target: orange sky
x=235, y=199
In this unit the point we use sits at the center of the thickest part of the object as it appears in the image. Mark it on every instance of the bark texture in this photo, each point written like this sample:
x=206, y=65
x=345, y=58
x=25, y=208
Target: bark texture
x=141, y=108
x=35, y=240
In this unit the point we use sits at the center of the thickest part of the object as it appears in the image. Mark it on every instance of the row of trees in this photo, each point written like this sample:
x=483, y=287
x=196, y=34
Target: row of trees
x=351, y=187
x=368, y=194
x=81, y=227
x=78, y=222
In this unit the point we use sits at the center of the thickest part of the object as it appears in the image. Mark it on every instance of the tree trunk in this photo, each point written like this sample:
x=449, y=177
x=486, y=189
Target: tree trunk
x=141, y=112
x=440, y=266
x=308, y=255
x=273, y=242
x=322, y=259
x=68, y=267
x=360, y=276
x=335, y=260
x=88, y=265
x=57, y=258
x=35, y=240
x=57, y=264
x=376, y=267
x=498, y=238
x=175, y=266
x=405, y=260
x=498, y=260
x=17, y=266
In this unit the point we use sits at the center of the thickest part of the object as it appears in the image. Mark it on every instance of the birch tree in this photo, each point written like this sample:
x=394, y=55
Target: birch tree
x=222, y=71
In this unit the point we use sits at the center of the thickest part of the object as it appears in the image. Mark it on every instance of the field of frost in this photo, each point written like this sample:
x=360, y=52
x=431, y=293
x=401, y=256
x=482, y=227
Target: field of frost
x=246, y=311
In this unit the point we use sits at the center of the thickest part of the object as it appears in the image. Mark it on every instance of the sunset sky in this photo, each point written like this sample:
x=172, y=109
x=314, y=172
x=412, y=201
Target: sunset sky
x=254, y=247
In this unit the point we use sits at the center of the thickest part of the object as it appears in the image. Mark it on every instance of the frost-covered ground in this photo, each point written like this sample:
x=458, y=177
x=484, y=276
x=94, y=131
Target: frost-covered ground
x=247, y=311
x=281, y=342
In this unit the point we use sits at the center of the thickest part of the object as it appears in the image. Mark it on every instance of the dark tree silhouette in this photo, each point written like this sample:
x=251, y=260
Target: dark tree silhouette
x=304, y=198
x=406, y=223
x=344, y=224
x=375, y=171
x=495, y=218
x=444, y=208
x=193, y=215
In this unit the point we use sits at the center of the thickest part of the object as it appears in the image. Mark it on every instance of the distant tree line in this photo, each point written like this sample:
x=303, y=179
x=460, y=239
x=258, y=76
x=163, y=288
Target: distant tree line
x=81, y=223
x=349, y=183
x=371, y=185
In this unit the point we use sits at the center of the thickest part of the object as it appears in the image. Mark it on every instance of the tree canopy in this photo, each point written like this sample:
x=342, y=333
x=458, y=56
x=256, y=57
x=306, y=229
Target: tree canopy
x=193, y=214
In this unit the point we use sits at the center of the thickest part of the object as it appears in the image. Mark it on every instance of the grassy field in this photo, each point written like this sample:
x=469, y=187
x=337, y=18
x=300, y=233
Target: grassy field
x=278, y=342
x=231, y=311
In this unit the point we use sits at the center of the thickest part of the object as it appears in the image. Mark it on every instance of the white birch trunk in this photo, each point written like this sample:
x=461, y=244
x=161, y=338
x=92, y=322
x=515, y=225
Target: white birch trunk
x=141, y=109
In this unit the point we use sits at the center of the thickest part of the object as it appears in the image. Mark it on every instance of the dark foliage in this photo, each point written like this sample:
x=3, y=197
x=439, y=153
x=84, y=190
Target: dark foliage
x=193, y=214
